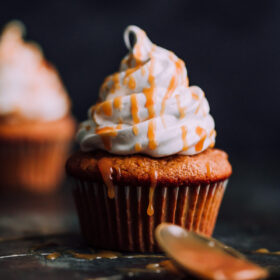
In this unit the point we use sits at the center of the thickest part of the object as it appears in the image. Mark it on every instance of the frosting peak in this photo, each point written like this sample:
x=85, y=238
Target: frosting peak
x=30, y=87
x=148, y=107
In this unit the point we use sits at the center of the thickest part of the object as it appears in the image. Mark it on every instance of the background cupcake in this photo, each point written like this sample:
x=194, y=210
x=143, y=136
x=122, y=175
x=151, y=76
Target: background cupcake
x=147, y=108
x=35, y=122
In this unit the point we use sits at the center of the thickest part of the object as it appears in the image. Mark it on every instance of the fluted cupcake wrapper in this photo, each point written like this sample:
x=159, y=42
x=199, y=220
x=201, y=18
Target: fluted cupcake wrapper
x=122, y=223
x=32, y=164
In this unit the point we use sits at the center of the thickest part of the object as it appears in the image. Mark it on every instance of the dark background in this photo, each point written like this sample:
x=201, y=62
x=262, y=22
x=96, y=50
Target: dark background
x=231, y=49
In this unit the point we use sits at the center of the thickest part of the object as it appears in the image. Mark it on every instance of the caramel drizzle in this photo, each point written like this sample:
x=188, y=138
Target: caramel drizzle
x=208, y=169
x=266, y=251
x=105, y=167
x=99, y=255
x=213, y=132
x=182, y=110
x=195, y=96
x=118, y=102
x=153, y=177
x=134, y=108
x=152, y=134
x=137, y=147
x=173, y=81
x=149, y=92
x=202, y=133
x=106, y=133
x=135, y=130
x=107, y=108
x=184, y=138
x=53, y=256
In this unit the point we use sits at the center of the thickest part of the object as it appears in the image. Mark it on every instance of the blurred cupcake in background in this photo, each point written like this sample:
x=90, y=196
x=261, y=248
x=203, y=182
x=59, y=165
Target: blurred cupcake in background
x=36, y=126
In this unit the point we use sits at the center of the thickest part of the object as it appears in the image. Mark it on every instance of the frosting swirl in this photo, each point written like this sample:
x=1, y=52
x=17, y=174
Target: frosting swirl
x=30, y=87
x=148, y=106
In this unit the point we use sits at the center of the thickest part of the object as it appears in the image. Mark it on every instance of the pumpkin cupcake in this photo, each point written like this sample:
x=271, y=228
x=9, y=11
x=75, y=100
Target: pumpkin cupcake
x=147, y=153
x=36, y=127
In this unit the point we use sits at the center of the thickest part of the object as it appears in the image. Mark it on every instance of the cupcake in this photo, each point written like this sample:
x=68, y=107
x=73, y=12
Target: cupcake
x=146, y=153
x=36, y=127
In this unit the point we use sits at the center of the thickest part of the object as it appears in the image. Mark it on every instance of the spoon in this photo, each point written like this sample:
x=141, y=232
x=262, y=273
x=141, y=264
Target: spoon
x=205, y=257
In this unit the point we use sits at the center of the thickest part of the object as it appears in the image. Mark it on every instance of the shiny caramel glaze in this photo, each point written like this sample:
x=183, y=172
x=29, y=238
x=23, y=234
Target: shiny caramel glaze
x=53, y=256
x=135, y=170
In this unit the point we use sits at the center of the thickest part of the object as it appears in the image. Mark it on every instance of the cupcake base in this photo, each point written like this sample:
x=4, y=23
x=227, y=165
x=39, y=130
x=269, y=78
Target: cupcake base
x=122, y=223
x=33, y=155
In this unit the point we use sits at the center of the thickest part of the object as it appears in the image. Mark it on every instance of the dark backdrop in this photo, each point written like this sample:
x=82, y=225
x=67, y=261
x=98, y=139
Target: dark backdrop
x=231, y=49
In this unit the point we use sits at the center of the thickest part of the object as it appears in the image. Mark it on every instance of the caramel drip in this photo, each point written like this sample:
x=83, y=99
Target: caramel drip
x=266, y=251
x=137, y=147
x=195, y=96
x=173, y=81
x=53, y=256
x=153, y=177
x=106, y=133
x=152, y=135
x=180, y=109
x=116, y=82
x=135, y=130
x=149, y=92
x=99, y=255
x=119, y=126
x=208, y=169
x=105, y=167
x=131, y=83
x=202, y=133
x=184, y=138
x=153, y=266
x=213, y=132
x=107, y=108
x=108, y=130
x=187, y=82
x=134, y=108
x=118, y=102
x=197, y=109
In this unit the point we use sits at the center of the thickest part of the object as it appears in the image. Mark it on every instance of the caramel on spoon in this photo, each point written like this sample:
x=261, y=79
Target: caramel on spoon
x=205, y=257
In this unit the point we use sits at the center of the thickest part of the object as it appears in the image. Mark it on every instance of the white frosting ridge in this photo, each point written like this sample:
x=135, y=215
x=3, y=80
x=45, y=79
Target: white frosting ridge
x=148, y=106
x=29, y=86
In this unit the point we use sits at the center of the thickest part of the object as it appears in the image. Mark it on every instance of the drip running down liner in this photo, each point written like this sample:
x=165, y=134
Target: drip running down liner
x=122, y=223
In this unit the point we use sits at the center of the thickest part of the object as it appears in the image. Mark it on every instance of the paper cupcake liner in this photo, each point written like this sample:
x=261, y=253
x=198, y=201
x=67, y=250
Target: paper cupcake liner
x=32, y=164
x=122, y=223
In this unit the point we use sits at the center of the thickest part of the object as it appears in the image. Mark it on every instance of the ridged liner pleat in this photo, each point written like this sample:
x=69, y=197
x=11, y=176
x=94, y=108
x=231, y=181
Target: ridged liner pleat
x=37, y=166
x=122, y=223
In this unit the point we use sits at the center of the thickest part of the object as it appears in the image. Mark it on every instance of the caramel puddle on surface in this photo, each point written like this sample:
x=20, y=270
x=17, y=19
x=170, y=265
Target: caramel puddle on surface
x=53, y=256
x=266, y=252
x=153, y=176
x=98, y=255
x=106, y=169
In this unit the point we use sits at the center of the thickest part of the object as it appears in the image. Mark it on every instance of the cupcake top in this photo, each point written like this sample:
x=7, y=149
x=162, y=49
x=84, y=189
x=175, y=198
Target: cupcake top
x=206, y=167
x=30, y=88
x=148, y=106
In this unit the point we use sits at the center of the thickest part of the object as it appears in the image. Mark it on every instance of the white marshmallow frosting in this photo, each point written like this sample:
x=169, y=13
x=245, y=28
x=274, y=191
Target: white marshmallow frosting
x=148, y=106
x=29, y=86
